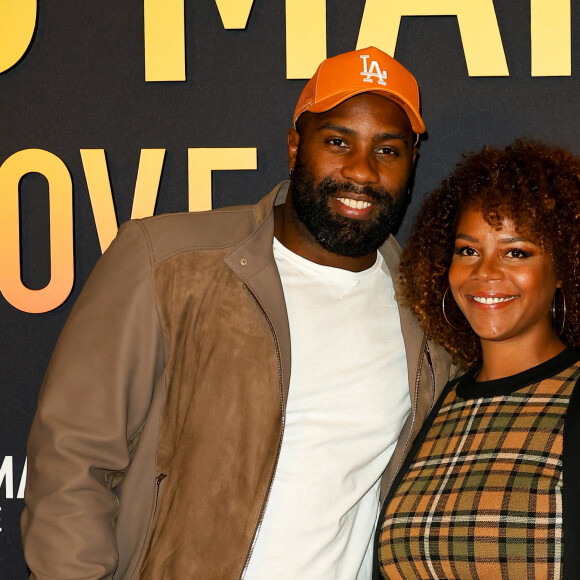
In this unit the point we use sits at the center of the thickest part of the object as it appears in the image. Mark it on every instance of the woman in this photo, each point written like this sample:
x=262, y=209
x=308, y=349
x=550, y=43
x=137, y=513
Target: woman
x=491, y=487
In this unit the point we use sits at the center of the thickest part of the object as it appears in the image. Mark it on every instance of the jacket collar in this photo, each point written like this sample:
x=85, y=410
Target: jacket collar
x=253, y=261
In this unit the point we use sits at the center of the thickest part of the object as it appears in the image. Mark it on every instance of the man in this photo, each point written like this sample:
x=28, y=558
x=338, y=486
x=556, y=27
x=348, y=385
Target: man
x=175, y=438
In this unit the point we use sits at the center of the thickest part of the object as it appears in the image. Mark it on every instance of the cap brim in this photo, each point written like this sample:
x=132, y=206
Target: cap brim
x=332, y=101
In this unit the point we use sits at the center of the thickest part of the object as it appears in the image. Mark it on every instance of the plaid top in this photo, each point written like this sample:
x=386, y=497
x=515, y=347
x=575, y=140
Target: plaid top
x=480, y=495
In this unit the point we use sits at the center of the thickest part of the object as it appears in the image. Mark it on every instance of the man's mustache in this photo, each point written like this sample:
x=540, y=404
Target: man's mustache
x=330, y=186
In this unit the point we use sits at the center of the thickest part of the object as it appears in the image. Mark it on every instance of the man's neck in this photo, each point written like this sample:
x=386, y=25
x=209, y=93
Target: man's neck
x=295, y=236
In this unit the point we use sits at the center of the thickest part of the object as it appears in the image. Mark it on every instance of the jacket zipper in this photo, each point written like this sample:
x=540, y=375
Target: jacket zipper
x=258, y=527
x=425, y=353
x=159, y=479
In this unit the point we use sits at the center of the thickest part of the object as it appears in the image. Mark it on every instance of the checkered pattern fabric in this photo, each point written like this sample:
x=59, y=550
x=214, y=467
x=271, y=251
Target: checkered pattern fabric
x=482, y=498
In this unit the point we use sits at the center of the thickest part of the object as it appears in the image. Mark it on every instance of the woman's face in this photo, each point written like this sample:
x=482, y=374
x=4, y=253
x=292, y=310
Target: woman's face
x=502, y=281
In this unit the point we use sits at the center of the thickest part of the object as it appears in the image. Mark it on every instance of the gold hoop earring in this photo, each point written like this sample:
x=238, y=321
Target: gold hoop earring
x=559, y=330
x=444, y=313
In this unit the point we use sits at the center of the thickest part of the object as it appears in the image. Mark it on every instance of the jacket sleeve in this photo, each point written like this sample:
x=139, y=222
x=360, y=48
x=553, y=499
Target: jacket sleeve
x=95, y=397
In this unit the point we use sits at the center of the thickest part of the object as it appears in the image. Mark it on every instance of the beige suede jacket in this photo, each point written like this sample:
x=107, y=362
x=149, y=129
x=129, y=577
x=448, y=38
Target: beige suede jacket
x=161, y=417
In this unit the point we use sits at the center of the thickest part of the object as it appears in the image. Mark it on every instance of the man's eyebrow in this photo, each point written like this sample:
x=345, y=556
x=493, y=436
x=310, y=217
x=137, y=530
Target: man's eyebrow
x=338, y=128
x=391, y=137
x=376, y=138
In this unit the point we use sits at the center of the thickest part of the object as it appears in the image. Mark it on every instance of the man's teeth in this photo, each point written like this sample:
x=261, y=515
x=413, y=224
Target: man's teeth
x=355, y=204
x=493, y=300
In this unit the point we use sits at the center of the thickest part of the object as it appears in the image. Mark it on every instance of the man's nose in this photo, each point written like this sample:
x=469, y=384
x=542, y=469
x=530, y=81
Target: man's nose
x=360, y=168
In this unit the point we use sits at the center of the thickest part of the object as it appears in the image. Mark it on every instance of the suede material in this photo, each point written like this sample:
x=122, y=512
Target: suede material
x=148, y=356
x=221, y=425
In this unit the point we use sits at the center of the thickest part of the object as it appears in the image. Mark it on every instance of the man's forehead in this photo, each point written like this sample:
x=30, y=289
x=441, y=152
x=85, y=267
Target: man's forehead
x=348, y=116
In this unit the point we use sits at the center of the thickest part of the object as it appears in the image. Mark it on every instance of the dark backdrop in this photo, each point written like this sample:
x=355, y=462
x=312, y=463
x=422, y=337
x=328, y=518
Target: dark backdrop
x=81, y=85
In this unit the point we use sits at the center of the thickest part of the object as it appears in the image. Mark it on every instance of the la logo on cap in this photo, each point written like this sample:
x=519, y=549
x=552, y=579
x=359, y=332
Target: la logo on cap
x=373, y=71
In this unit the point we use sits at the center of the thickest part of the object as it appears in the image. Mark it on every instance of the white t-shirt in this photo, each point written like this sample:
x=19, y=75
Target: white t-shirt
x=347, y=403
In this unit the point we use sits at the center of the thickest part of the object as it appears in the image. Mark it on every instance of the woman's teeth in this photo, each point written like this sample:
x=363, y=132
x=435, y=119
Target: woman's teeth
x=493, y=300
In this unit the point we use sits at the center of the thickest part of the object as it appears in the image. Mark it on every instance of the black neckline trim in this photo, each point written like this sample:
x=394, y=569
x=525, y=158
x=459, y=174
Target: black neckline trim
x=469, y=388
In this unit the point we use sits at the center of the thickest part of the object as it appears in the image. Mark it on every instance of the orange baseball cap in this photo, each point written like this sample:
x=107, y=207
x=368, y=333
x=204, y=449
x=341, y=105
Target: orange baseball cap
x=368, y=70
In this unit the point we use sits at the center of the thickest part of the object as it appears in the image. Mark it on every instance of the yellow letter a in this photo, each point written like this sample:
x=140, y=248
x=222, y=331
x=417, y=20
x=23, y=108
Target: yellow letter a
x=477, y=21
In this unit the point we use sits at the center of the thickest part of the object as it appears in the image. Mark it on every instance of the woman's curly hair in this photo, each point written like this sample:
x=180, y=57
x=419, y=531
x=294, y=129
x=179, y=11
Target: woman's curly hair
x=534, y=185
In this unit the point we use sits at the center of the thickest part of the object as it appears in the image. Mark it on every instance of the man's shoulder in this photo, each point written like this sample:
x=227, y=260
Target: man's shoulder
x=219, y=227
x=172, y=233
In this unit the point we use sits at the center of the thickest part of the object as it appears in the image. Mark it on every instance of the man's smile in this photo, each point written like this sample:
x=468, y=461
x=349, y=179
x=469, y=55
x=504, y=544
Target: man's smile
x=354, y=203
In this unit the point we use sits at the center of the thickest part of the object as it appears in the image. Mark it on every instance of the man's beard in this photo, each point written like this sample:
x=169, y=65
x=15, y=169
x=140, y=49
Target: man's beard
x=336, y=233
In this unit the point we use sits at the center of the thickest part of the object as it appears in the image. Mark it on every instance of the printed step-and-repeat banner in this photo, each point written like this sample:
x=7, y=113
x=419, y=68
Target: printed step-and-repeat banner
x=111, y=110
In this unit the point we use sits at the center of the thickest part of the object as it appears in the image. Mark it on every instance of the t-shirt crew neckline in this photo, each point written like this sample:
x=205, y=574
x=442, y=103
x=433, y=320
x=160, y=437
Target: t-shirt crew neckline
x=328, y=271
x=469, y=388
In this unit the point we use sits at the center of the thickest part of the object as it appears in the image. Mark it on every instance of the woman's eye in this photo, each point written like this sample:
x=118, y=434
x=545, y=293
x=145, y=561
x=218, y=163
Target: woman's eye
x=337, y=142
x=518, y=253
x=465, y=251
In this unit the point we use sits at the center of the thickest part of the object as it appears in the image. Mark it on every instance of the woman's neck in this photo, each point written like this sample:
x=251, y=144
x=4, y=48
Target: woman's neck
x=505, y=358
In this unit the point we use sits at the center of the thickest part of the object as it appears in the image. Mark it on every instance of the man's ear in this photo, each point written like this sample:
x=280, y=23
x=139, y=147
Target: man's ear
x=293, y=140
